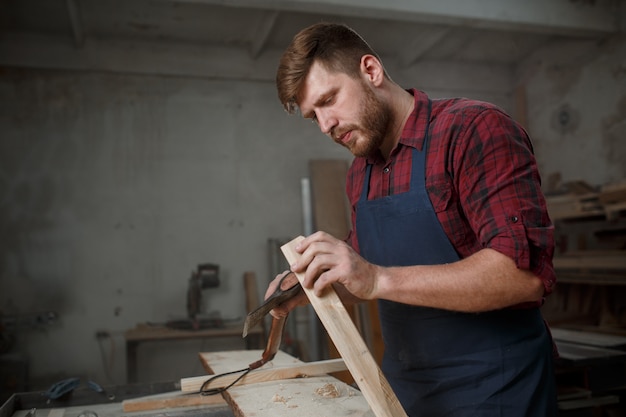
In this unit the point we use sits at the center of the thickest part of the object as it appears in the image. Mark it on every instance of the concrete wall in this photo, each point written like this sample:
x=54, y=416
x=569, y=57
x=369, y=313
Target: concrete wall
x=576, y=96
x=114, y=185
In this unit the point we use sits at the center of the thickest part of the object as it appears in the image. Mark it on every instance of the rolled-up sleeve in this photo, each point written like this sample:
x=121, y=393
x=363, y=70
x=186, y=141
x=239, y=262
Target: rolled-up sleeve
x=500, y=186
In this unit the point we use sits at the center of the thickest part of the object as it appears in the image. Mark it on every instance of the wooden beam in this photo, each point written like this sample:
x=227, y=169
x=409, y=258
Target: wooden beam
x=569, y=18
x=297, y=370
x=345, y=336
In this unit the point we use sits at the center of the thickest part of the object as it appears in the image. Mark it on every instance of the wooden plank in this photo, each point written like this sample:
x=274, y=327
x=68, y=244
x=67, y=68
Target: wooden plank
x=147, y=332
x=581, y=353
x=613, y=193
x=588, y=402
x=303, y=397
x=589, y=338
x=173, y=399
x=593, y=260
x=345, y=336
x=272, y=373
x=307, y=397
x=328, y=192
x=588, y=277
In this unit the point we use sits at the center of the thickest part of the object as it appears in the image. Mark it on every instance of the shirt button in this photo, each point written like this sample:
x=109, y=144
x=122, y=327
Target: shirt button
x=386, y=170
x=514, y=219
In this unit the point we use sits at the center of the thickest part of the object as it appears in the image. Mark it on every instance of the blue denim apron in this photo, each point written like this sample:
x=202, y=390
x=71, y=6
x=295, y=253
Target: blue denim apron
x=443, y=363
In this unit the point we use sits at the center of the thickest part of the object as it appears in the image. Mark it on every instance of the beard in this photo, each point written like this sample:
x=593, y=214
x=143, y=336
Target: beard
x=373, y=124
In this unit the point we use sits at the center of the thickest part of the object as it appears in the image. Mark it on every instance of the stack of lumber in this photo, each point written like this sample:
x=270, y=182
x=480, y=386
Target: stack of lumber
x=582, y=200
x=591, y=262
x=592, y=267
x=613, y=198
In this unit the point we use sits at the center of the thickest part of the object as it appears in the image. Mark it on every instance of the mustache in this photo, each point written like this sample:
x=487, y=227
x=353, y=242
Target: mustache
x=337, y=133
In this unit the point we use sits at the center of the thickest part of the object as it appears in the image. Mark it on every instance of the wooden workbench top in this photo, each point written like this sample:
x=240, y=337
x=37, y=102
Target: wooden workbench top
x=301, y=397
x=147, y=331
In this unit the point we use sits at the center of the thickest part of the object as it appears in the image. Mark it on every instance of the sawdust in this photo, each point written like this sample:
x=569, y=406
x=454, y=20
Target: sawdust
x=279, y=399
x=328, y=391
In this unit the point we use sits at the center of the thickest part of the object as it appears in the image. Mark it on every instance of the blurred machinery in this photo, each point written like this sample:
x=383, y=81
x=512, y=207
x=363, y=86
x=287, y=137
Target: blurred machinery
x=205, y=276
x=13, y=363
x=10, y=325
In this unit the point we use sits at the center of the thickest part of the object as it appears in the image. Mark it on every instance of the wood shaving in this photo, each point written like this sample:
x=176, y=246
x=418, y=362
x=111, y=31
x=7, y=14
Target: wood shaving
x=279, y=399
x=329, y=391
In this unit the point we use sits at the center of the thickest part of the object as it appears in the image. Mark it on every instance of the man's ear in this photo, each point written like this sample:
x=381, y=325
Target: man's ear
x=372, y=69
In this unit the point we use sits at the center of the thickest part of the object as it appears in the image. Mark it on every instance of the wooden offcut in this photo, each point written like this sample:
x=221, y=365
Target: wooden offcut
x=173, y=399
x=268, y=373
x=353, y=350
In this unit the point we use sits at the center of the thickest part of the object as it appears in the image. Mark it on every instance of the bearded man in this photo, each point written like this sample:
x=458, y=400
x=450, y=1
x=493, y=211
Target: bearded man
x=450, y=232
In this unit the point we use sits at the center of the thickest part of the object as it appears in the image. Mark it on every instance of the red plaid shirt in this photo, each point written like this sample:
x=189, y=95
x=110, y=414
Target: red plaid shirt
x=481, y=177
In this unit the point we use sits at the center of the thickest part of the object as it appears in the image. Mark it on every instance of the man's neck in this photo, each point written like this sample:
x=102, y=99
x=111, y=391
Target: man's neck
x=402, y=105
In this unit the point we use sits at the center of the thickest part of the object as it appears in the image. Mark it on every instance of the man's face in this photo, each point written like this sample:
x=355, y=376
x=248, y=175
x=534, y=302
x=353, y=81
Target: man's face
x=346, y=109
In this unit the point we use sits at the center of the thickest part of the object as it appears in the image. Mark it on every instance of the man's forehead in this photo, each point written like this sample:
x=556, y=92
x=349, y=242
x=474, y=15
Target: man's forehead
x=318, y=83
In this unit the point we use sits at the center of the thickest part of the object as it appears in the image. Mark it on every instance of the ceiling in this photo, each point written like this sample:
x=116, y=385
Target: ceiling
x=485, y=31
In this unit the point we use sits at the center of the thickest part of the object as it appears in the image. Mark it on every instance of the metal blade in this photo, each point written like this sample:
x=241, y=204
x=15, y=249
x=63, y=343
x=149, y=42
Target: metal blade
x=278, y=297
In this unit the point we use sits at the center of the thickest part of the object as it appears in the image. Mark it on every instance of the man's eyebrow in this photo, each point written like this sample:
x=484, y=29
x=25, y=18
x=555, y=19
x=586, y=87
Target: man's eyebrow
x=319, y=102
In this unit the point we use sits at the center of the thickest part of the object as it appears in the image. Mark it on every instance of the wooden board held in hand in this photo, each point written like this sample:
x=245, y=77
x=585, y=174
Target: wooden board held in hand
x=350, y=344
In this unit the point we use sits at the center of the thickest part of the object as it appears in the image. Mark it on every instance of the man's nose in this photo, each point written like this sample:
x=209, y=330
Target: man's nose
x=326, y=122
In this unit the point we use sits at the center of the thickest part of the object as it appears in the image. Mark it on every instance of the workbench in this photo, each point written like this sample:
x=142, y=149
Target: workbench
x=145, y=333
x=84, y=402
x=304, y=395
x=590, y=372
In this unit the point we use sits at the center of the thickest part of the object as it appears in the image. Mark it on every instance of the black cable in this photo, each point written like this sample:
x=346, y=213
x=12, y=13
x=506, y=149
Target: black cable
x=213, y=391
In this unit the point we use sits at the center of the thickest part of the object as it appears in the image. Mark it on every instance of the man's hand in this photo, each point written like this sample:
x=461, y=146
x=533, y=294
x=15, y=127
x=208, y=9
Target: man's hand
x=326, y=260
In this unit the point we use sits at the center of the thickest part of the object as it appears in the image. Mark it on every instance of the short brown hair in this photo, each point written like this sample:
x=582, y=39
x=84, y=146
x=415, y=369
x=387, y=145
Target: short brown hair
x=336, y=46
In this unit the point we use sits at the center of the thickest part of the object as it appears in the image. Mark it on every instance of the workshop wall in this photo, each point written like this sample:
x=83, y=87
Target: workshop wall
x=115, y=187
x=576, y=97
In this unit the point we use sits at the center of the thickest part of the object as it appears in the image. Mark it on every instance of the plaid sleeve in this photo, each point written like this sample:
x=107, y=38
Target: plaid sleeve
x=500, y=190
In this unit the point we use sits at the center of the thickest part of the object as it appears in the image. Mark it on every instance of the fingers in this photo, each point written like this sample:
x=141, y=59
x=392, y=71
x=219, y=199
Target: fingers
x=284, y=308
x=317, y=255
x=326, y=260
x=274, y=284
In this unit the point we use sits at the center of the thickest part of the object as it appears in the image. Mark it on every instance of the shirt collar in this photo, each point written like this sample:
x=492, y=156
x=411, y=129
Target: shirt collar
x=415, y=128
